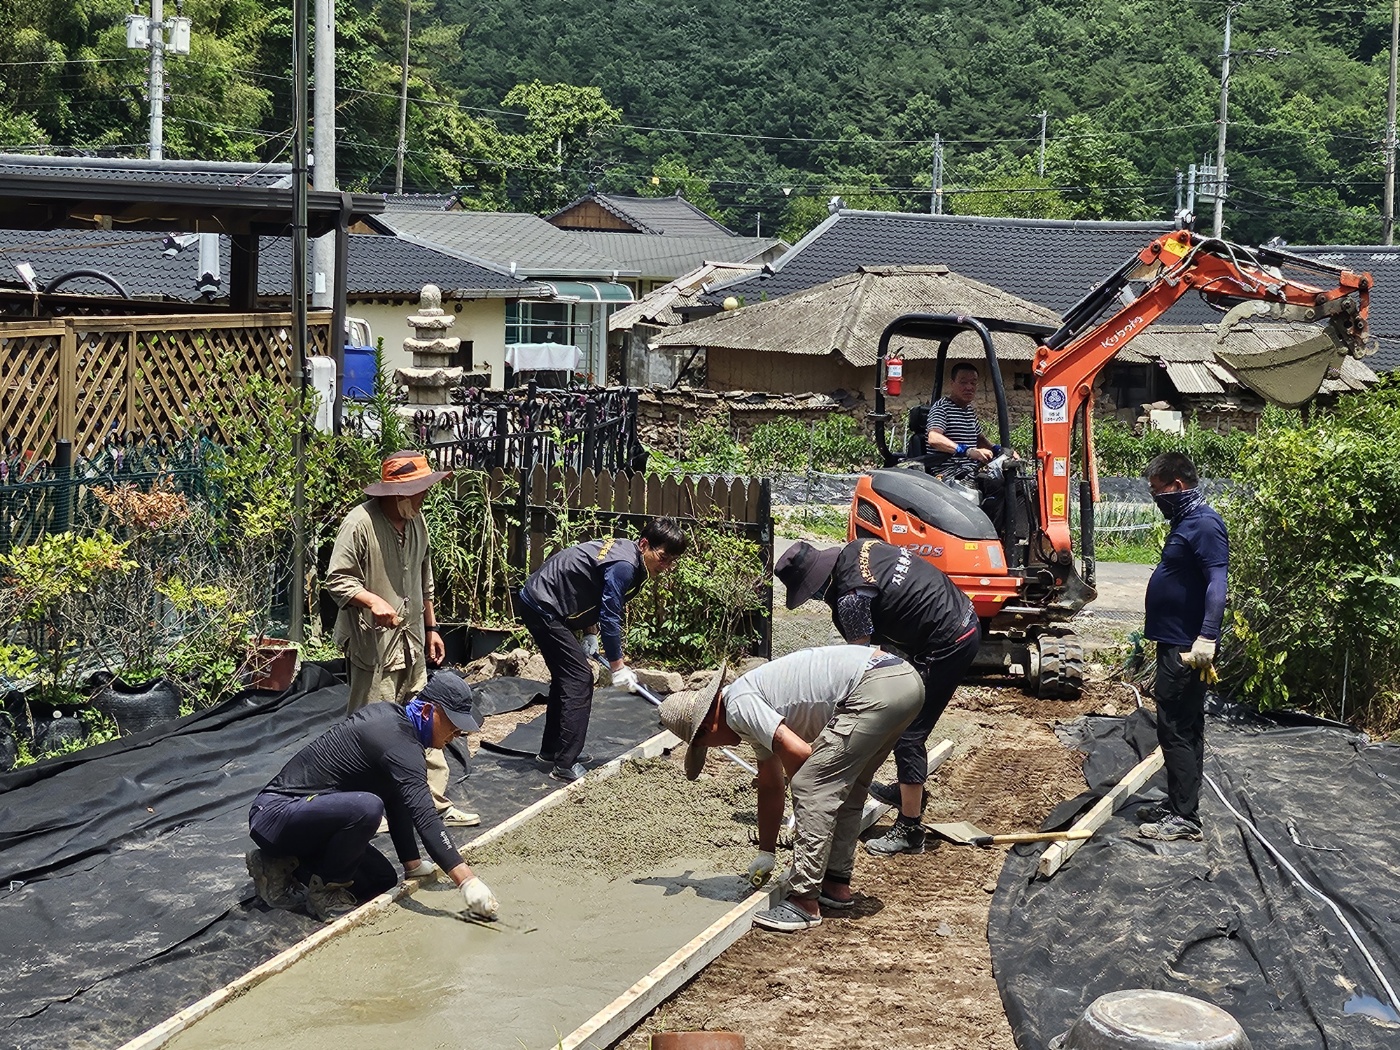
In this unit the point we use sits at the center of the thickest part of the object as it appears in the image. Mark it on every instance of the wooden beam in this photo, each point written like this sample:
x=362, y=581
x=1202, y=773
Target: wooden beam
x=1054, y=858
x=158, y=1036
x=621, y=1015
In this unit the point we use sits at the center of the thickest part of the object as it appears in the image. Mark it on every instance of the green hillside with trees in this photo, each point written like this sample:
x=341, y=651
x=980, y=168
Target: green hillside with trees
x=762, y=111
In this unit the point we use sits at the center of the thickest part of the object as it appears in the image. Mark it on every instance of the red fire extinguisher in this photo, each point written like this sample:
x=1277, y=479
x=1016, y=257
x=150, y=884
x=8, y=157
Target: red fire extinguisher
x=894, y=375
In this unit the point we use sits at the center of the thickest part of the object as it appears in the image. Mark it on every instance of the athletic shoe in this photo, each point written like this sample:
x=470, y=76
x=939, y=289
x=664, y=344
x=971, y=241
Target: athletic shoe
x=568, y=774
x=1170, y=828
x=272, y=878
x=889, y=794
x=329, y=900
x=426, y=870
x=904, y=836
x=1150, y=814
x=459, y=818
x=786, y=917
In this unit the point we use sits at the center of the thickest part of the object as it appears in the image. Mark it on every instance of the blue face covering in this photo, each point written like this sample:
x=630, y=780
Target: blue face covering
x=1176, y=505
x=420, y=715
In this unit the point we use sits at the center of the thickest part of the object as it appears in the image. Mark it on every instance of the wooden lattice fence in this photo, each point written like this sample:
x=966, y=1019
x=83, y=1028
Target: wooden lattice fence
x=84, y=378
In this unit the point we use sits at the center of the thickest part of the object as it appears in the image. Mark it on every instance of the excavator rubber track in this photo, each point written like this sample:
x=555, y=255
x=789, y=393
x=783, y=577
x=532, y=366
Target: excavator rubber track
x=1060, y=667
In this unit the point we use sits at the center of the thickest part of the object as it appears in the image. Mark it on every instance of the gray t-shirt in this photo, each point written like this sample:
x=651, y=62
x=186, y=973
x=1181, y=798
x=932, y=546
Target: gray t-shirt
x=801, y=689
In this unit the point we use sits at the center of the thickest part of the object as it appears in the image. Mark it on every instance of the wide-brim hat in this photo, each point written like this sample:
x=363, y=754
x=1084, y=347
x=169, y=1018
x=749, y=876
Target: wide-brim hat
x=452, y=695
x=405, y=473
x=803, y=569
x=683, y=713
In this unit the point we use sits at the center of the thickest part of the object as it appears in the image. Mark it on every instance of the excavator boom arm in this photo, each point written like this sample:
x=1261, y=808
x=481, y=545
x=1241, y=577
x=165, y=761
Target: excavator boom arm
x=1066, y=365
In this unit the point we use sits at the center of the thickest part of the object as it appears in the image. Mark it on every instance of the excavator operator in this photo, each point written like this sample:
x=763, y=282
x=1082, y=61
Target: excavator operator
x=955, y=442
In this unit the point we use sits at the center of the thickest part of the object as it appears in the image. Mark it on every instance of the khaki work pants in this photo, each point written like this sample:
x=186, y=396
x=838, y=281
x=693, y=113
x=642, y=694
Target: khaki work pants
x=828, y=792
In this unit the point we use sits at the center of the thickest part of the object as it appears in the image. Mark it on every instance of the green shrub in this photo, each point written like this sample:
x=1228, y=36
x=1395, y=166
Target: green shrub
x=779, y=446
x=1314, y=584
x=703, y=610
x=1121, y=453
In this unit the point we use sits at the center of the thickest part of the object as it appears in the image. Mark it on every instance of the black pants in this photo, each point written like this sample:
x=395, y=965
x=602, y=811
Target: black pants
x=1181, y=728
x=570, y=701
x=329, y=833
x=942, y=670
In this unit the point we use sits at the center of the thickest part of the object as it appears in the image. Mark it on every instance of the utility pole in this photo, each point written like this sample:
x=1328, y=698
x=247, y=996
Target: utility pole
x=1044, y=116
x=403, y=98
x=297, y=584
x=935, y=200
x=323, y=150
x=1219, y=225
x=147, y=33
x=1388, y=224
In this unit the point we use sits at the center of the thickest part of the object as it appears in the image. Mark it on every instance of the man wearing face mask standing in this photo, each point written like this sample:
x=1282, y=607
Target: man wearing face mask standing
x=1185, y=606
x=381, y=578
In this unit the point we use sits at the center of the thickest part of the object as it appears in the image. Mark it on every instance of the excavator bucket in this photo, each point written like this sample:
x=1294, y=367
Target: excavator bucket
x=1289, y=375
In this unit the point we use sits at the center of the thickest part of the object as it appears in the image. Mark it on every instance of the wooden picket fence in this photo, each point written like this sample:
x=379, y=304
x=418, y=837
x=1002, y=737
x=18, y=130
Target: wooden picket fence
x=529, y=506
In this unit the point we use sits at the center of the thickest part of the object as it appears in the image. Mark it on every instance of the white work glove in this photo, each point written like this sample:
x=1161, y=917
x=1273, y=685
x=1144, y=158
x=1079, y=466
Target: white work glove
x=625, y=678
x=760, y=868
x=590, y=645
x=481, y=902
x=1201, y=654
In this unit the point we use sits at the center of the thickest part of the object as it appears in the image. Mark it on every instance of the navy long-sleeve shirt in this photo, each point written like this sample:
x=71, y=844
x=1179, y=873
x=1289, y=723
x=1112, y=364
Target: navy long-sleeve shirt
x=377, y=750
x=1186, y=594
x=618, y=579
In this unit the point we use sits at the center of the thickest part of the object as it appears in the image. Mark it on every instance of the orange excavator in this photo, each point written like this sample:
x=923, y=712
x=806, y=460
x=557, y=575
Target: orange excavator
x=1008, y=542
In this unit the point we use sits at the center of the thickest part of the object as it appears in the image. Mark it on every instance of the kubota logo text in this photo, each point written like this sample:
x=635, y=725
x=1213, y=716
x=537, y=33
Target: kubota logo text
x=1128, y=330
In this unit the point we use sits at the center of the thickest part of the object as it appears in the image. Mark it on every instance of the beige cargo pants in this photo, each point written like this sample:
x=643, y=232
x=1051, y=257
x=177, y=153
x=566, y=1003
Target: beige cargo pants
x=828, y=792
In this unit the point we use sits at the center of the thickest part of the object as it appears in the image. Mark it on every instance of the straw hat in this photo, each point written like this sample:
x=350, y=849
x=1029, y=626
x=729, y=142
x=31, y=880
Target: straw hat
x=683, y=713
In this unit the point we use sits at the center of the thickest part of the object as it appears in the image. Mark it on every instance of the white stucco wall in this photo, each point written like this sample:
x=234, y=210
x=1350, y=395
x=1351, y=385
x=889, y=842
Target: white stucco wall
x=483, y=321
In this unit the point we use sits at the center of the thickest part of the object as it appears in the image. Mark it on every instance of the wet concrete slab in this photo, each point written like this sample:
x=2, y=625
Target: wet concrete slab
x=425, y=976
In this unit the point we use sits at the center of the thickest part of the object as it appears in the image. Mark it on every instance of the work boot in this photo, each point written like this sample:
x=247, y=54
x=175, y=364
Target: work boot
x=329, y=900
x=568, y=774
x=272, y=878
x=546, y=758
x=889, y=794
x=904, y=836
x=1152, y=813
x=1170, y=828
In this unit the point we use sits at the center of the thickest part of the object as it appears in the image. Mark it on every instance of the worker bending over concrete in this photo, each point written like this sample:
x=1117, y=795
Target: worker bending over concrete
x=825, y=717
x=314, y=821
x=584, y=588
x=884, y=594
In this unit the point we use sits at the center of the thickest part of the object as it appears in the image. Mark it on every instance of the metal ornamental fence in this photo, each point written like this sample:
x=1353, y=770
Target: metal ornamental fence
x=519, y=429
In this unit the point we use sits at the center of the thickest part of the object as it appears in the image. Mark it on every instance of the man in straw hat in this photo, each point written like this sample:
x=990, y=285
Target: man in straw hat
x=314, y=820
x=381, y=578
x=827, y=718
x=884, y=594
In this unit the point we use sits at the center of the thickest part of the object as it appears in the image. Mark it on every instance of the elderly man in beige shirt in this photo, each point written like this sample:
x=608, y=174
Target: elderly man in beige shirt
x=381, y=578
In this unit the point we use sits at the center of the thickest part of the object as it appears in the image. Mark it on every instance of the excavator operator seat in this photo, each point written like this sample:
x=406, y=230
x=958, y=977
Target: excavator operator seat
x=932, y=501
x=917, y=443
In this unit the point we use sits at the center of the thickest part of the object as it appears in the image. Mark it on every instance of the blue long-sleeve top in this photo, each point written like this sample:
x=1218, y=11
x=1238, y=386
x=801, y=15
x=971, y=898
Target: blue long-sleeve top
x=1186, y=594
x=618, y=578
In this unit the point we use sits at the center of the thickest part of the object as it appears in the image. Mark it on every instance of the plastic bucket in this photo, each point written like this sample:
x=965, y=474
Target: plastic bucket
x=1145, y=1019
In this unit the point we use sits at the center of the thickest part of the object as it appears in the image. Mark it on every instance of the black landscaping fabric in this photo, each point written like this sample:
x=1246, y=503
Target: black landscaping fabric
x=1221, y=920
x=123, y=892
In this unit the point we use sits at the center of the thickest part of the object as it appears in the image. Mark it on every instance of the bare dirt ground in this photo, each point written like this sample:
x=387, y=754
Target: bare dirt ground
x=910, y=965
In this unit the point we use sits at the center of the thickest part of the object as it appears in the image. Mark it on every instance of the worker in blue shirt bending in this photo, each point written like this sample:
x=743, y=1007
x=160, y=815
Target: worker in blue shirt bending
x=584, y=588
x=1185, y=605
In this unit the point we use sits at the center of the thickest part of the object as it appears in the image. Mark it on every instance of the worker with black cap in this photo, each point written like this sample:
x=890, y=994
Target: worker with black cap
x=314, y=821
x=885, y=595
x=825, y=717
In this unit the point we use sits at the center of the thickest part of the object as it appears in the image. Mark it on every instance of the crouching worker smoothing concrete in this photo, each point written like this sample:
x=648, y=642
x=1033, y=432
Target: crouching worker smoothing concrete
x=826, y=717
x=584, y=588
x=314, y=821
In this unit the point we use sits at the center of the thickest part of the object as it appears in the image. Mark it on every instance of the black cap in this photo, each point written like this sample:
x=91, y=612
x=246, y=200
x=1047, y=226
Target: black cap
x=804, y=570
x=450, y=692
